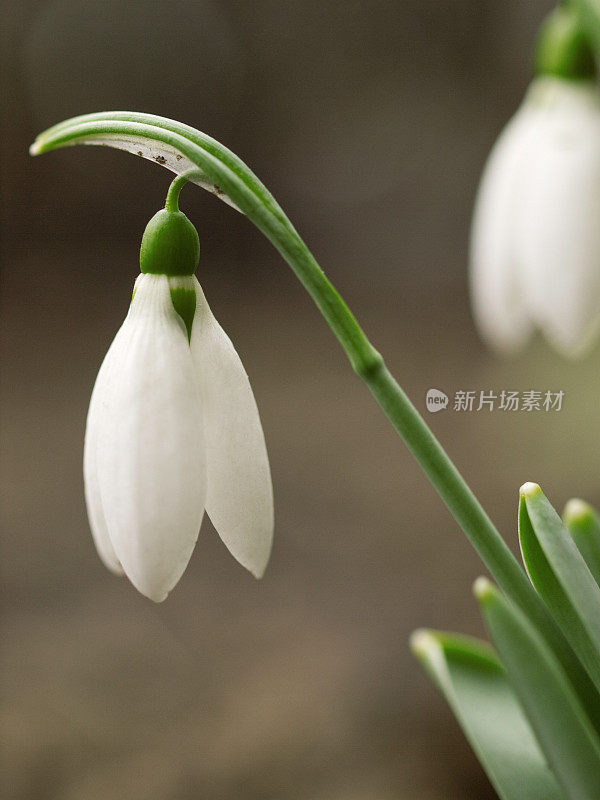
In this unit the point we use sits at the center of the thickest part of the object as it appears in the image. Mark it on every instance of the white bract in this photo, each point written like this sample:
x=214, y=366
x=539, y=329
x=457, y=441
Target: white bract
x=535, y=240
x=172, y=430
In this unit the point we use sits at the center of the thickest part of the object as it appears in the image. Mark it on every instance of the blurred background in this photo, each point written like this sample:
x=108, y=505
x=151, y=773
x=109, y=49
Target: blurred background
x=370, y=121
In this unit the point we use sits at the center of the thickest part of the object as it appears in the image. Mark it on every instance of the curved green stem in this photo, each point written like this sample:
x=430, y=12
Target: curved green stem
x=172, y=200
x=180, y=147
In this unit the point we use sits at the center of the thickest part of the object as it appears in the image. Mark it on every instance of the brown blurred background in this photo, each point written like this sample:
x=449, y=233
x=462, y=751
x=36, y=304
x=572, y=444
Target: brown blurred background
x=370, y=121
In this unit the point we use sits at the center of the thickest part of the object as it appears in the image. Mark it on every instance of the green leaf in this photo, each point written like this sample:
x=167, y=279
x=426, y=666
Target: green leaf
x=561, y=576
x=583, y=524
x=476, y=687
x=557, y=718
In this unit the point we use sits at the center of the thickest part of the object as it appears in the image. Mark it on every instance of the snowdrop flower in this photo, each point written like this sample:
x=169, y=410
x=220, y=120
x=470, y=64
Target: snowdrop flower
x=535, y=239
x=173, y=429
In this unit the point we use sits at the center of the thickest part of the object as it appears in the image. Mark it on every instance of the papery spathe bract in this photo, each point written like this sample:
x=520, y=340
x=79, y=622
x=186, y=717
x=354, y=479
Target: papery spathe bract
x=535, y=244
x=162, y=443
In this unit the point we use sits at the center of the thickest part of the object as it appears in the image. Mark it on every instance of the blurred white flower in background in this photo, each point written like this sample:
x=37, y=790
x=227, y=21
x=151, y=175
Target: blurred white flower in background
x=535, y=238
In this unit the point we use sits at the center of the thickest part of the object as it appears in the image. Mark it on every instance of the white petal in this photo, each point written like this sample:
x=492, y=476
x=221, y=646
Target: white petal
x=559, y=228
x=498, y=305
x=151, y=455
x=91, y=481
x=240, y=494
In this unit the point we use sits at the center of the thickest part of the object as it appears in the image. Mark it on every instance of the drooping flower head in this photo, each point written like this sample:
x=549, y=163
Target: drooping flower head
x=173, y=428
x=535, y=239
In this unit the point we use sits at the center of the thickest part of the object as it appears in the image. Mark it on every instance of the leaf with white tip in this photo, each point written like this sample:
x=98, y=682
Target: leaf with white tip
x=561, y=576
x=583, y=523
x=475, y=685
x=562, y=728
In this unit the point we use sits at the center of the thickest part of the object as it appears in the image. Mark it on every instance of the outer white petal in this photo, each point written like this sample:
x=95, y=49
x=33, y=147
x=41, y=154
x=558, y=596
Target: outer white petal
x=150, y=448
x=559, y=228
x=91, y=480
x=497, y=300
x=240, y=494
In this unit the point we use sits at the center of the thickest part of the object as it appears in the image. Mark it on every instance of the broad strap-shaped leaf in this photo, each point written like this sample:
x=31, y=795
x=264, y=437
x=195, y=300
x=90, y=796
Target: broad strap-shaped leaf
x=561, y=576
x=475, y=685
x=583, y=524
x=560, y=724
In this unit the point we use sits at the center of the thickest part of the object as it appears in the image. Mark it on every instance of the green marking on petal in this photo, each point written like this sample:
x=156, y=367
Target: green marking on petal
x=184, y=302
